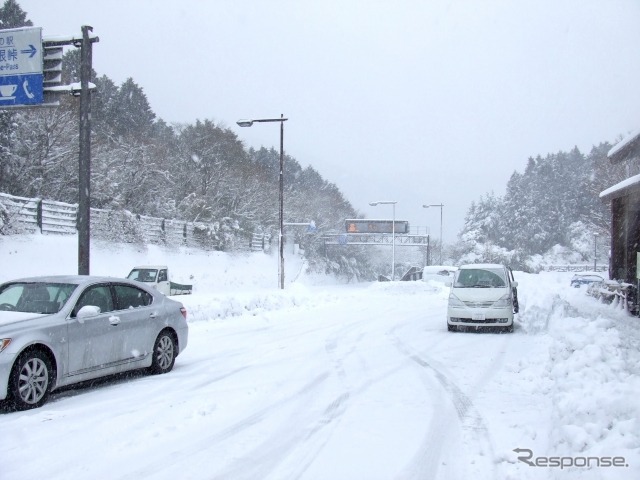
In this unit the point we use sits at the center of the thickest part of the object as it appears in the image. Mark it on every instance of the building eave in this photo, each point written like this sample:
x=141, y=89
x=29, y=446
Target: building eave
x=626, y=187
x=627, y=149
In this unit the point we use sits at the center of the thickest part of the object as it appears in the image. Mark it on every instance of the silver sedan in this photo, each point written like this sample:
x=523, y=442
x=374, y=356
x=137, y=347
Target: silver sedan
x=60, y=330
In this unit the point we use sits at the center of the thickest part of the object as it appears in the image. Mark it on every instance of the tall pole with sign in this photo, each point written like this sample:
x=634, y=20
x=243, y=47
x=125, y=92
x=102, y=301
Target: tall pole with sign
x=84, y=190
x=27, y=74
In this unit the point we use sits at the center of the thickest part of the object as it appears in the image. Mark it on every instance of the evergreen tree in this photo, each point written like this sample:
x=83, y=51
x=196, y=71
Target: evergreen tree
x=104, y=101
x=12, y=16
x=550, y=204
x=210, y=158
x=130, y=114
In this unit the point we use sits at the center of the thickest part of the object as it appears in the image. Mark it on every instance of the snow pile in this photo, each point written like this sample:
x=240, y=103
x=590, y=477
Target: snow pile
x=204, y=307
x=594, y=385
x=590, y=375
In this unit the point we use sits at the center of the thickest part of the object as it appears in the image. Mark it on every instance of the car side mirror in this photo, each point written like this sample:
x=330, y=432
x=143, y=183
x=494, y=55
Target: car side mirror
x=87, y=311
x=514, y=284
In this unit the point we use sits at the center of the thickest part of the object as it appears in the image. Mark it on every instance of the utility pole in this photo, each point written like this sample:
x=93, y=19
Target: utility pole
x=84, y=184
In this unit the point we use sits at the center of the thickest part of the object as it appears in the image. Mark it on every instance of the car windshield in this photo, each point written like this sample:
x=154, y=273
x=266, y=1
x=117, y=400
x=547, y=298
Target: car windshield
x=143, y=274
x=38, y=297
x=480, y=278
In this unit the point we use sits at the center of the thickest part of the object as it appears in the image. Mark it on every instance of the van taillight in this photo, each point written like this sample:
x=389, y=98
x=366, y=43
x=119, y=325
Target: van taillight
x=183, y=311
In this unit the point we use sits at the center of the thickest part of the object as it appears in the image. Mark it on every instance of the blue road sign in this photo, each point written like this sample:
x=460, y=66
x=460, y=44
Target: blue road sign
x=20, y=90
x=21, y=67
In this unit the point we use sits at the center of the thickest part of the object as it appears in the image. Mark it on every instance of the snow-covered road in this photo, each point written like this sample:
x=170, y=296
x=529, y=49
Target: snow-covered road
x=353, y=382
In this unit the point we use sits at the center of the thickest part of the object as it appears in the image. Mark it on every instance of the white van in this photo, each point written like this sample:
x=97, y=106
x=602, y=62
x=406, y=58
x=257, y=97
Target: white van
x=482, y=295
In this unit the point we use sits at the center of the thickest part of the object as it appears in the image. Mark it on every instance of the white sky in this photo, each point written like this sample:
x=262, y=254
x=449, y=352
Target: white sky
x=413, y=101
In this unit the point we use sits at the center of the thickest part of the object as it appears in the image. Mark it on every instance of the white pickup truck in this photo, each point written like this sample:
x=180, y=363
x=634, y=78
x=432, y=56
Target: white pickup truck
x=157, y=276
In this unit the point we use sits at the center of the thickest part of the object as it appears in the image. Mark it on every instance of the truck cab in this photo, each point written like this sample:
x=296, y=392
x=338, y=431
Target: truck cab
x=156, y=276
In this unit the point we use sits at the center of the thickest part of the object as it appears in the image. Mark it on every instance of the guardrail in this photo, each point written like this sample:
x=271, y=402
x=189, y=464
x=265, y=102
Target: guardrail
x=30, y=215
x=576, y=268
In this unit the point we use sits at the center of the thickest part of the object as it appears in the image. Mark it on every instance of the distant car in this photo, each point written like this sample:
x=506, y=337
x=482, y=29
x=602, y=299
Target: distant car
x=482, y=295
x=578, y=280
x=60, y=330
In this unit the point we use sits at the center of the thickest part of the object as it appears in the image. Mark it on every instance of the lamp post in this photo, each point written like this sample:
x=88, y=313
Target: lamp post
x=248, y=123
x=440, y=205
x=595, y=251
x=393, y=236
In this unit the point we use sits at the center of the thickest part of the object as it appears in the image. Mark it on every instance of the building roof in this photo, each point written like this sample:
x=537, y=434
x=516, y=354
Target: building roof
x=627, y=149
x=621, y=189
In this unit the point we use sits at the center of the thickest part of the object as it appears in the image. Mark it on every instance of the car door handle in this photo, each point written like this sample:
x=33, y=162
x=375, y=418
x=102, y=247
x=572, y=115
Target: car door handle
x=115, y=321
x=153, y=314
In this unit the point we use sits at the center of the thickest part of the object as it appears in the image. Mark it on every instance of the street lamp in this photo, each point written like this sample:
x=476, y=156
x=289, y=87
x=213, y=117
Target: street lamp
x=595, y=251
x=393, y=236
x=440, y=205
x=248, y=123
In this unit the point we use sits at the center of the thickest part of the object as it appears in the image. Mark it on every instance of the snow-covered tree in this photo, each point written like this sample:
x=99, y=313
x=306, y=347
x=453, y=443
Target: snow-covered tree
x=12, y=16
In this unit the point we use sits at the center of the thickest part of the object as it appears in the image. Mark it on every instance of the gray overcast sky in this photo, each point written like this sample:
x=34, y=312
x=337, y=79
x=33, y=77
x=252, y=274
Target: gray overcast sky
x=414, y=101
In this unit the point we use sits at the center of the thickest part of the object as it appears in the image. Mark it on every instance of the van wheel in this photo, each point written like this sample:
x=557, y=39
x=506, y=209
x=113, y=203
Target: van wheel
x=452, y=328
x=30, y=380
x=508, y=329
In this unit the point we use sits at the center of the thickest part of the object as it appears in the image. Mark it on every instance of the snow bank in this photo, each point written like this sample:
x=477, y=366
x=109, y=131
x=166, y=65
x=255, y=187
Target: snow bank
x=31, y=255
x=591, y=373
x=593, y=367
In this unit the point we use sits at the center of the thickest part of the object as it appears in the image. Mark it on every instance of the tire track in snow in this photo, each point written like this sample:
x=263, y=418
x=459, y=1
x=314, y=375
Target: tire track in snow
x=427, y=459
x=238, y=469
x=303, y=452
x=266, y=457
x=276, y=453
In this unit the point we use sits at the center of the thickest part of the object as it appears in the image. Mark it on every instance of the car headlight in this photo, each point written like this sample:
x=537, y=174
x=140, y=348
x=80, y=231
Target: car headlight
x=4, y=343
x=455, y=301
x=503, y=302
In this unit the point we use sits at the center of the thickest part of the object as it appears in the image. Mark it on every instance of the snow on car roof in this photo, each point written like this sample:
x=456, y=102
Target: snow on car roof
x=75, y=279
x=481, y=265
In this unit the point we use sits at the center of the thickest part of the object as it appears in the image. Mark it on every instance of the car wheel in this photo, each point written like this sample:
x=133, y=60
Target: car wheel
x=508, y=329
x=164, y=353
x=452, y=328
x=30, y=380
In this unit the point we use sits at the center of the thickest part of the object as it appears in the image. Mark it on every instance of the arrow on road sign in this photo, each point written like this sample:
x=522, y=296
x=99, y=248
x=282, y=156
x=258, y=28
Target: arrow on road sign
x=32, y=50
